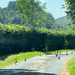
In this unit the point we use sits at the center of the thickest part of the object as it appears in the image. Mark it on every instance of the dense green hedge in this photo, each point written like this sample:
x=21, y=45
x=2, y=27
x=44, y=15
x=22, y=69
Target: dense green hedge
x=15, y=38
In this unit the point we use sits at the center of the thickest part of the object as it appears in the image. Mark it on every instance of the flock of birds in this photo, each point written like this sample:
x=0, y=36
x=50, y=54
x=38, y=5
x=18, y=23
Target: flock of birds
x=57, y=54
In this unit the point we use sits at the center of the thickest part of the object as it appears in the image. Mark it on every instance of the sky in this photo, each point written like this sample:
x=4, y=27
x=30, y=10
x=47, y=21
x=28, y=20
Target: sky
x=52, y=6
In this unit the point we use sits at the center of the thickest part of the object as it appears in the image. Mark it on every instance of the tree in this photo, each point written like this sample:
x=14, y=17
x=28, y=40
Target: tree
x=31, y=11
x=70, y=5
x=16, y=20
x=69, y=24
x=11, y=6
x=49, y=21
x=37, y=16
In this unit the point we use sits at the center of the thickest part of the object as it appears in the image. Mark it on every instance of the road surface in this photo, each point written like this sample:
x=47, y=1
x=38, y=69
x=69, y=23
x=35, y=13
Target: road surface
x=40, y=65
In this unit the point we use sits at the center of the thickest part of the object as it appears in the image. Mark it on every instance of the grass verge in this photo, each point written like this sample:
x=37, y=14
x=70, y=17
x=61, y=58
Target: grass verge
x=63, y=50
x=19, y=57
x=71, y=66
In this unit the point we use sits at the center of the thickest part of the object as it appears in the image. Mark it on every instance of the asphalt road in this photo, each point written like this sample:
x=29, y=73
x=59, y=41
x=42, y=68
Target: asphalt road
x=40, y=65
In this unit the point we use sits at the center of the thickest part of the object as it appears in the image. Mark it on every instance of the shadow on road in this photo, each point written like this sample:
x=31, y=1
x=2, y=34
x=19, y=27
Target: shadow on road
x=21, y=72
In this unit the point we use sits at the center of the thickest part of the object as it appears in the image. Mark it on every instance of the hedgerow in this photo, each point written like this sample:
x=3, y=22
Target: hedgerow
x=15, y=38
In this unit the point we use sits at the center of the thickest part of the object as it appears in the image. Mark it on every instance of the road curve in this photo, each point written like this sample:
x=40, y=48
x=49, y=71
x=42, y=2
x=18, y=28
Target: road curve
x=40, y=65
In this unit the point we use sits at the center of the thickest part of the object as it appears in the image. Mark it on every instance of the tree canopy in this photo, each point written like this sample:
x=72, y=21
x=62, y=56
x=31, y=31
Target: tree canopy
x=41, y=18
x=70, y=5
x=32, y=11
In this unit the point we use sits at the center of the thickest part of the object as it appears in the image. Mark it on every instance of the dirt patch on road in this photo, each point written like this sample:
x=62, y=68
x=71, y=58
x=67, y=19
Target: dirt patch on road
x=39, y=65
x=64, y=68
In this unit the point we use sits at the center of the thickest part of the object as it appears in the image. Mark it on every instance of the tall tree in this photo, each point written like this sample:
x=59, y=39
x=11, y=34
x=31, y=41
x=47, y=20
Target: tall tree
x=70, y=5
x=31, y=11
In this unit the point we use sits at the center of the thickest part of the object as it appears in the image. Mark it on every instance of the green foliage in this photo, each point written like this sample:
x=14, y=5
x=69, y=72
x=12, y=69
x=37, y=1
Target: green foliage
x=71, y=66
x=70, y=5
x=12, y=15
x=31, y=11
x=11, y=6
x=49, y=21
x=15, y=38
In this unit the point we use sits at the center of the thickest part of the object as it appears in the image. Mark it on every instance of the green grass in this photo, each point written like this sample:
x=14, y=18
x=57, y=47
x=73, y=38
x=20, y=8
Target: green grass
x=63, y=50
x=71, y=66
x=19, y=57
